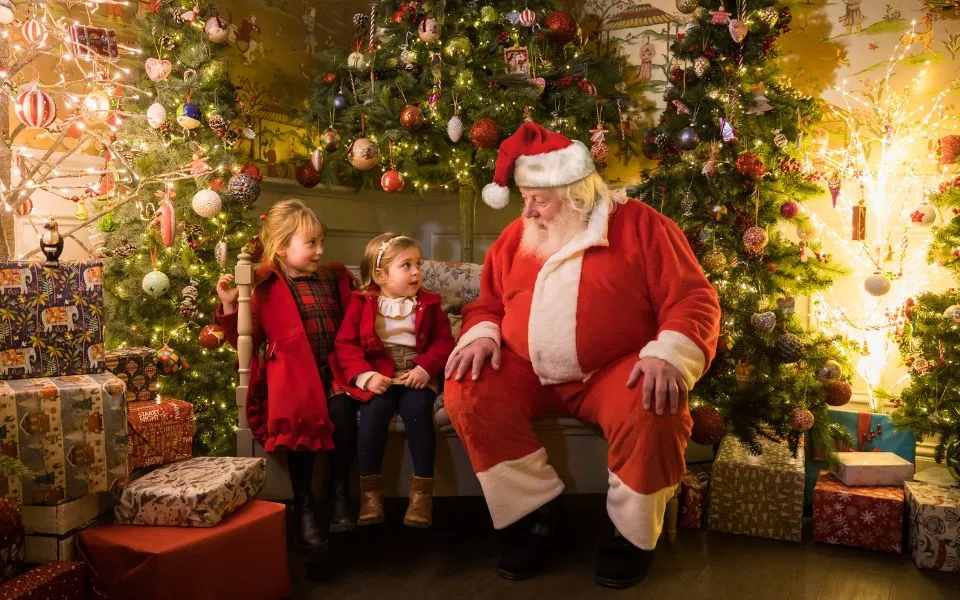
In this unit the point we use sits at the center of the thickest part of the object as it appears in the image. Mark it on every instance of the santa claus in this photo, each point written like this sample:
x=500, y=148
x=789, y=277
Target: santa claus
x=593, y=306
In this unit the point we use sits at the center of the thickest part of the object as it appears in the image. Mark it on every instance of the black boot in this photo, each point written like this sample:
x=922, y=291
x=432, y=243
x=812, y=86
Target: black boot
x=309, y=535
x=527, y=541
x=620, y=564
x=342, y=518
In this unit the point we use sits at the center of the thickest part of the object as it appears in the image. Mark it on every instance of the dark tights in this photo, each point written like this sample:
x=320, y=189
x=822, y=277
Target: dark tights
x=343, y=413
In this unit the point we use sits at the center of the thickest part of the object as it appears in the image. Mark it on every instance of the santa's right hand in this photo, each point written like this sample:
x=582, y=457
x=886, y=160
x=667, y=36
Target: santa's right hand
x=472, y=358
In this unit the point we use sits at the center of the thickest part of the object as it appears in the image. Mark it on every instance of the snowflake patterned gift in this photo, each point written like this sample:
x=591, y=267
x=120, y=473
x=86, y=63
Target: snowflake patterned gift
x=934, y=524
x=868, y=517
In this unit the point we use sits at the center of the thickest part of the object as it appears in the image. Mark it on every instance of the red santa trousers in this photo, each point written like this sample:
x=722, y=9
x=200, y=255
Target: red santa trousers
x=493, y=416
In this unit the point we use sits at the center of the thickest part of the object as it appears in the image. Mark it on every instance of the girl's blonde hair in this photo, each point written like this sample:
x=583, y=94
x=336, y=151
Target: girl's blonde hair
x=284, y=220
x=585, y=193
x=380, y=252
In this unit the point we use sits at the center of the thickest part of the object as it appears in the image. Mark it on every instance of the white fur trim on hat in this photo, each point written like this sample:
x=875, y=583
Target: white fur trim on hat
x=551, y=169
x=496, y=196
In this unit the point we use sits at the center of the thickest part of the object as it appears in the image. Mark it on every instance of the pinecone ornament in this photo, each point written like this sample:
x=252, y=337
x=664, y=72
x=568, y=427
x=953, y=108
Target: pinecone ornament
x=125, y=250
x=789, y=347
x=218, y=124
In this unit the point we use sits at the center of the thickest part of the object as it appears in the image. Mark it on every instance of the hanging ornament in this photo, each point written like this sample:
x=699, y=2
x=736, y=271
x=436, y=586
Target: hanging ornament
x=220, y=253
x=833, y=184
x=25, y=207
x=859, y=220
x=307, y=175
x=714, y=260
x=727, y=133
x=709, y=167
x=528, y=18
x=458, y=47
x=429, y=30
x=764, y=322
x=760, y=105
x=189, y=116
x=158, y=69
x=155, y=283
x=218, y=124
x=206, y=203
x=363, y=154
x=316, y=160
x=708, y=426
x=329, y=77
x=169, y=361
x=330, y=140
x=392, y=181
x=719, y=16
x=95, y=108
x=156, y=115
x=688, y=138
x=188, y=305
x=562, y=25
x=830, y=371
x=808, y=231
x=411, y=117
x=108, y=223
x=211, y=336
x=837, y=393
x=686, y=6
x=7, y=16
x=340, y=101
x=745, y=374
x=489, y=15
x=34, y=31
x=599, y=148
x=484, y=133
x=952, y=312
x=166, y=218
x=408, y=58
x=789, y=347
x=925, y=215
x=750, y=165
x=719, y=211
x=356, y=61
x=789, y=209
x=35, y=108
x=539, y=82
x=779, y=140
x=216, y=29
x=98, y=244
x=877, y=284
x=769, y=15
x=700, y=65
x=587, y=87
x=243, y=189
x=513, y=17
x=738, y=30
x=755, y=239
x=454, y=129
x=254, y=249
x=801, y=419
x=787, y=304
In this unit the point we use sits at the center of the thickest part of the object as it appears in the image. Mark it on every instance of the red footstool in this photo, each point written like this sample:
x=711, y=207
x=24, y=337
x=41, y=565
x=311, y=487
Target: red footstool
x=243, y=557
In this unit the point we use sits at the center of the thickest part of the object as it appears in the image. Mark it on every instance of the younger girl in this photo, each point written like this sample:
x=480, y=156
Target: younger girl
x=297, y=306
x=393, y=344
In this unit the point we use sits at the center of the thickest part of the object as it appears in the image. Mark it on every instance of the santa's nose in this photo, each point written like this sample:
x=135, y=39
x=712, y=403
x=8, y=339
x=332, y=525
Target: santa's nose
x=530, y=210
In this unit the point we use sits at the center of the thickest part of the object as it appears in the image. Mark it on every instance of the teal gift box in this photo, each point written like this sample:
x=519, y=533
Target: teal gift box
x=872, y=432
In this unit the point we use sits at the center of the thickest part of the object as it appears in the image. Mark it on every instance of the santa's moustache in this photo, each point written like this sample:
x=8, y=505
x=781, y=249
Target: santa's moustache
x=544, y=241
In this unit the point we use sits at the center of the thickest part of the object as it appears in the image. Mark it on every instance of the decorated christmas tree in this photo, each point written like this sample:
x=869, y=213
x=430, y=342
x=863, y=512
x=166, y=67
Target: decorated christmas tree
x=730, y=145
x=174, y=227
x=422, y=99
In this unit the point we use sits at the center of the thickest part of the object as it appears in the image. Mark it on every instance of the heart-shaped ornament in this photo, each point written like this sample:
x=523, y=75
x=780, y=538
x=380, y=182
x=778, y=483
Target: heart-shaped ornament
x=158, y=69
x=540, y=82
x=738, y=30
x=764, y=321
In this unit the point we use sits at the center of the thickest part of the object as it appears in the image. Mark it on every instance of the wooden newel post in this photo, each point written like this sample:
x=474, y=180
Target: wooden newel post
x=468, y=220
x=243, y=275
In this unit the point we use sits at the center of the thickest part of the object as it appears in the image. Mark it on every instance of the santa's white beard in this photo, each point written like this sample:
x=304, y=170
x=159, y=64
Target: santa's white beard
x=544, y=239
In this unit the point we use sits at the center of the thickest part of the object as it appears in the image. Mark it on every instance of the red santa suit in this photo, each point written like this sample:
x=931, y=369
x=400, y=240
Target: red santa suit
x=571, y=328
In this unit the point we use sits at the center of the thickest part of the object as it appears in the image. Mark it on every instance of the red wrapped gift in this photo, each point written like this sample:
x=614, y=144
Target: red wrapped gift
x=56, y=580
x=174, y=563
x=868, y=517
x=693, y=499
x=160, y=432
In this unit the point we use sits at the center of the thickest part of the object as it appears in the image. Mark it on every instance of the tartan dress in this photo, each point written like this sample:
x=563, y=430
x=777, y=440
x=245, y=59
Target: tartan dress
x=318, y=299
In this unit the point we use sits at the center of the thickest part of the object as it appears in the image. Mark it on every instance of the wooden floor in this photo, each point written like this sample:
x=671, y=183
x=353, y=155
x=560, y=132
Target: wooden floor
x=455, y=560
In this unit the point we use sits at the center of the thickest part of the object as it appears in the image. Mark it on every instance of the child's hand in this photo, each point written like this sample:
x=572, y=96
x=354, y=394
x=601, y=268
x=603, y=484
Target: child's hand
x=227, y=292
x=378, y=384
x=417, y=379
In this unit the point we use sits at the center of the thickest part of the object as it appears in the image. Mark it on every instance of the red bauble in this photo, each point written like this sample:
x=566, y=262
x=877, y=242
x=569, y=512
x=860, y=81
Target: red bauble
x=563, y=26
x=484, y=133
x=255, y=249
x=837, y=393
x=392, y=181
x=586, y=86
x=504, y=38
x=252, y=171
x=411, y=117
x=329, y=78
x=790, y=165
x=307, y=175
x=211, y=337
x=749, y=164
x=789, y=209
x=216, y=184
x=708, y=425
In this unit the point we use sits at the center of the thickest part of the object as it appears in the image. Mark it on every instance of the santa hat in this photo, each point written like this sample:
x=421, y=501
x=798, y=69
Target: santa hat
x=536, y=158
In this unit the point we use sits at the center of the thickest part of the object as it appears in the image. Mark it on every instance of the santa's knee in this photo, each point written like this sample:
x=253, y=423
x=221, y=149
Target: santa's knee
x=471, y=403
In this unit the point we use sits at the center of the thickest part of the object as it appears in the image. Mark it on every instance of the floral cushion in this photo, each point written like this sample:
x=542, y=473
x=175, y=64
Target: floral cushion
x=457, y=283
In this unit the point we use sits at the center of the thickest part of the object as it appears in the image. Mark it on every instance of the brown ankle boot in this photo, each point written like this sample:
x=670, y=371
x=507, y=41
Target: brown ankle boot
x=371, y=500
x=420, y=508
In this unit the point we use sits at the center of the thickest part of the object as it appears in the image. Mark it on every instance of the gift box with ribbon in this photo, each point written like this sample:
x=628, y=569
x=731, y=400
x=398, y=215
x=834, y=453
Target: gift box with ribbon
x=693, y=499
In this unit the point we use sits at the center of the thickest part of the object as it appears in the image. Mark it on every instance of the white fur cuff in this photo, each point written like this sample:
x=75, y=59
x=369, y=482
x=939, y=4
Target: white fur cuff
x=483, y=329
x=551, y=169
x=638, y=517
x=515, y=488
x=681, y=352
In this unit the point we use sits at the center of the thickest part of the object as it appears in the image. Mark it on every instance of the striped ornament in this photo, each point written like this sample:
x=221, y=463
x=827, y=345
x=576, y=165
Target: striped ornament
x=34, y=31
x=35, y=108
x=25, y=208
x=528, y=18
x=167, y=219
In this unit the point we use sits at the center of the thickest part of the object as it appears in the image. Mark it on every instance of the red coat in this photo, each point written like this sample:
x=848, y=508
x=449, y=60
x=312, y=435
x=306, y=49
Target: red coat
x=358, y=348
x=286, y=404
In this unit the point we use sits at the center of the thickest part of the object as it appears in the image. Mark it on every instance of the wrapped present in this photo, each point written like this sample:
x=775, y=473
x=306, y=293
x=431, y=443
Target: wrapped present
x=71, y=430
x=693, y=499
x=56, y=580
x=198, y=492
x=137, y=368
x=54, y=325
x=160, y=432
x=86, y=40
x=761, y=496
x=242, y=558
x=11, y=540
x=868, y=517
x=52, y=530
x=934, y=524
x=872, y=468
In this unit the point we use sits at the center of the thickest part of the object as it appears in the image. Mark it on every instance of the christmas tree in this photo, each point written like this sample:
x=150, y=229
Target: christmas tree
x=422, y=99
x=174, y=227
x=730, y=145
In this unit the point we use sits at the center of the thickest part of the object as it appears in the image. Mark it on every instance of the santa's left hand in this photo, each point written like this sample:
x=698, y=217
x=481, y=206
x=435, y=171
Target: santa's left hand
x=661, y=381
x=418, y=378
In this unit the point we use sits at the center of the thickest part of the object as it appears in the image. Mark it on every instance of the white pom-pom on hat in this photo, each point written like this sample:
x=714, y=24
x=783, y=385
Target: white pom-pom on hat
x=496, y=196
